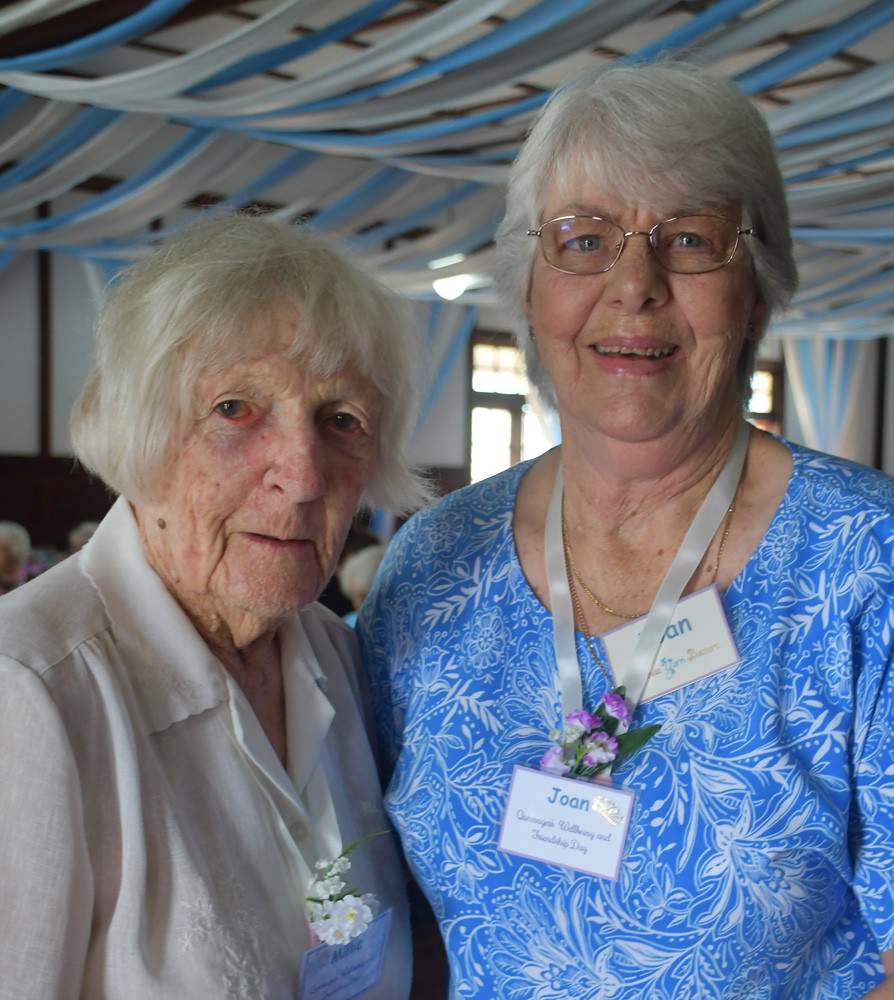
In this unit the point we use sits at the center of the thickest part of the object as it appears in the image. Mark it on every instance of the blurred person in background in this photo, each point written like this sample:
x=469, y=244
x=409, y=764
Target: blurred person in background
x=15, y=550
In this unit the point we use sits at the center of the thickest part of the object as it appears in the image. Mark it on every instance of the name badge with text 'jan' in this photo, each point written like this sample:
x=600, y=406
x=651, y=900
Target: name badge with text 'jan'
x=697, y=643
x=580, y=825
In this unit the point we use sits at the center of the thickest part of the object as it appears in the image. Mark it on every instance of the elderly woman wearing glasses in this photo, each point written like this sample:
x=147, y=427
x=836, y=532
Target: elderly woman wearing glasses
x=182, y=728
x=636, y=694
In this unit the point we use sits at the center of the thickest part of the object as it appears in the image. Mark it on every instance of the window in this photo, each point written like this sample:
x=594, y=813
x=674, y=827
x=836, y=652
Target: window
x=508, y=424
x=765, y=405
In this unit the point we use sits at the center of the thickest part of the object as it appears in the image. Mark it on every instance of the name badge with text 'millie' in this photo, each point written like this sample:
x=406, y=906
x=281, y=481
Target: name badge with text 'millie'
x=346, y=971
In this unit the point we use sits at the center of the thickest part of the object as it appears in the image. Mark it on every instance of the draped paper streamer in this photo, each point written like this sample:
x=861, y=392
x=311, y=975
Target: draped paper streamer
x=414, y=131
x=828, y=376
x=448, y=329
x=363, y=92
x=152, y=16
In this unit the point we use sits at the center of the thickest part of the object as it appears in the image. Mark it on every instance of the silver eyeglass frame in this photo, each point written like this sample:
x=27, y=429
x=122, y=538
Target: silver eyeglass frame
x=650, y=233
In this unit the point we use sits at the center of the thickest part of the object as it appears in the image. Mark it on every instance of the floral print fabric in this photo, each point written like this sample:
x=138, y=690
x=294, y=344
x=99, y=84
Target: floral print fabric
x=758, y=863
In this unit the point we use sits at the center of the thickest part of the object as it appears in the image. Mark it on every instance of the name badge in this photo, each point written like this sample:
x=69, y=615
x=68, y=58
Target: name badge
x=345, y=971
x=580, y=825
x=696, y=644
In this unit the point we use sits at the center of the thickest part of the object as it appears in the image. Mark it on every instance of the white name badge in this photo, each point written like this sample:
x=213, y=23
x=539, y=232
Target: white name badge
x=345, y=971
x=697, y=643
x=580, y=825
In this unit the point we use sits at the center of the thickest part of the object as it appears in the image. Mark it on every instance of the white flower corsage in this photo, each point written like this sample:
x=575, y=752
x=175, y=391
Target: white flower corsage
x=338, y=914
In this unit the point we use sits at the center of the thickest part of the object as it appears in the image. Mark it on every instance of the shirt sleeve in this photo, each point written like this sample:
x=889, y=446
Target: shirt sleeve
x=46, y=884
x=872, y=821
x=384, y=632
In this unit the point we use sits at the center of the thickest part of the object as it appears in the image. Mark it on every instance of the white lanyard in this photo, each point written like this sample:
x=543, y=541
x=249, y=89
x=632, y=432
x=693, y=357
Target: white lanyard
x=691, y=552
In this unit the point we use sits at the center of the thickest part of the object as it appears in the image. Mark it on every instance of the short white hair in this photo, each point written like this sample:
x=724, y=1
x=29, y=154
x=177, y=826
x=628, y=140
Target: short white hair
x=16, y=538
x=187, y=309
x=653, y=134
x=81, y=533
x=356, y=575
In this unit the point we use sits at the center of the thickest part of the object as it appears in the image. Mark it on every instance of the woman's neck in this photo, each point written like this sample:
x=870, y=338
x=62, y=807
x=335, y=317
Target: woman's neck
x=624, y=487
x=257, y=670
x=624, y=529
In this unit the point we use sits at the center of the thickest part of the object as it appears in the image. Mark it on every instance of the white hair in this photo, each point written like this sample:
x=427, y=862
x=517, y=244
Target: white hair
x=199, y=303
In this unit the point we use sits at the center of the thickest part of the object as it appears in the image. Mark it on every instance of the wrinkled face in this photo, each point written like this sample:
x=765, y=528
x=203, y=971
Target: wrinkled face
x=255, y=509
x=638, y=352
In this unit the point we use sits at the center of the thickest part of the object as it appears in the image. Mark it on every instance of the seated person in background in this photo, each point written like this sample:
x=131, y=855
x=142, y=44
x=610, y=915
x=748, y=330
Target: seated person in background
x=15, y=548
x=356, y=575
x=182, y=728
x=80, y=534
x=359, y=536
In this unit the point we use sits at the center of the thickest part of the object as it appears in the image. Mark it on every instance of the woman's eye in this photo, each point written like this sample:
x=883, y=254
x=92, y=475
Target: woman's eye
x=343, y=421
x=688, y=241
x=232, y=409
x=584, y=244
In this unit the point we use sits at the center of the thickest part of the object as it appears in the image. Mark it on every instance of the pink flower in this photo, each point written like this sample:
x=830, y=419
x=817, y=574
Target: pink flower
x=579, y=722
x=554, y=761
x=618, y=707
x=601, y=749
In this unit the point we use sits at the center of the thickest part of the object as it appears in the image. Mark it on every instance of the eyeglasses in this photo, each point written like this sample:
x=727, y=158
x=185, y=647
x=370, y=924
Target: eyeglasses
x=692, y=244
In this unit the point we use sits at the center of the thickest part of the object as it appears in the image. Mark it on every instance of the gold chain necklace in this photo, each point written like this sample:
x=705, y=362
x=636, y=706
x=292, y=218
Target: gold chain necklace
x=585, y=628
x=574, y=573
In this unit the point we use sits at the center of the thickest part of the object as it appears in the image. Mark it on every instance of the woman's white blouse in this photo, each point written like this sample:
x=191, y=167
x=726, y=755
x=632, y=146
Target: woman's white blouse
x=151, y=843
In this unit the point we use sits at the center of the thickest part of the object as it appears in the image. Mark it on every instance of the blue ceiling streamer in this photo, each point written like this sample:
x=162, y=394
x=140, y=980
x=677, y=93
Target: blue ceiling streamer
x=87, y=125
x=263, y=62
x=874, y=115
x=181, y=150
x=517, y=31
x=717, y=15
x=384, y=183
x=152, y=16
x=389, y=230
x=802, y=55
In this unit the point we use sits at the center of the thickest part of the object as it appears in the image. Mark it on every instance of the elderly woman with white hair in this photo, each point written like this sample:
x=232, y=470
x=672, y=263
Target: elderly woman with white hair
x=183, y=743
x=637, y=693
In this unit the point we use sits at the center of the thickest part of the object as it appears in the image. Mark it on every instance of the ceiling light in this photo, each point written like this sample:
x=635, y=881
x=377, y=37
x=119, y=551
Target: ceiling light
x=454, y=258
x=454, y=286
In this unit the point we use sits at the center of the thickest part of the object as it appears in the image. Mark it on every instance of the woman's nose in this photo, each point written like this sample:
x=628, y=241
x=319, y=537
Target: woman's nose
x=637, y=280
x=297, y=463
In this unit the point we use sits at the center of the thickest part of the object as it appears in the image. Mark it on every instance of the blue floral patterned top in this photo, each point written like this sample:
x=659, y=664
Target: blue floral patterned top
x=760, y=860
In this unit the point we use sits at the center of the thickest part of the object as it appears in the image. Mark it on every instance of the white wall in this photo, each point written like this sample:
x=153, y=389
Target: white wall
x=443, y=438
x=888, y=426
x=72, y=315
x=19, y=357
x=76, y=288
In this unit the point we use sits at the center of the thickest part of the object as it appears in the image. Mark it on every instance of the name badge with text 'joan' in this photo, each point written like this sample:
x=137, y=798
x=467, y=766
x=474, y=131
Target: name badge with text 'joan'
x=580, y=825
x=697, y=643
